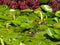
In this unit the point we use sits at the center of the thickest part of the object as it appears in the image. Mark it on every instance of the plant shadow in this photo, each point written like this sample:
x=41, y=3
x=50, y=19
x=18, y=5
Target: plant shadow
x=52, y=39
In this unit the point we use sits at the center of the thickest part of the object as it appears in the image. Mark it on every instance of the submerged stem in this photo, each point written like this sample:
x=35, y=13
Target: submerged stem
x=2, y=42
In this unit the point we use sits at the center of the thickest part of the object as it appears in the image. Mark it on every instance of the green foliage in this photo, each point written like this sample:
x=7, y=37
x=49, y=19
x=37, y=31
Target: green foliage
x=53, y=33
x=29, y=27
x=45, y=1
x=57, y=13
x=46, y=8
